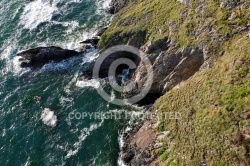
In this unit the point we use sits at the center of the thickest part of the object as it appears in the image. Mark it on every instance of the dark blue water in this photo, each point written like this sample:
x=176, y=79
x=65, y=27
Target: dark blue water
x=24, y=138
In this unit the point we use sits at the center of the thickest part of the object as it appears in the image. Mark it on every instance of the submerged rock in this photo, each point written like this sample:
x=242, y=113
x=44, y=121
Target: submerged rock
x=39, y=56
x=49, y=118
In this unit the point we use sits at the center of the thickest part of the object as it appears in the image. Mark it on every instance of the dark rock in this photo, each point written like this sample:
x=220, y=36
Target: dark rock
x=128, y=156
x=39, y=56
x=171, y=66
x=83, y=47
x=104, y=69
x=116, y=6
x=100, y=32
x=94, y=41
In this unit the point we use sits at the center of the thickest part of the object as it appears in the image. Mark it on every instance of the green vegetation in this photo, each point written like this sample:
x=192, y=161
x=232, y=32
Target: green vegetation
x=164, y=156
x=213, y=104
x=150, y=20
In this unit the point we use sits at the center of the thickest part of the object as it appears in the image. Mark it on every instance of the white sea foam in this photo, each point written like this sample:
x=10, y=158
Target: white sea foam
x=4, y=132
x=17, y=68
x=121, y=144
x=37, y=12
x=102, y=5
x=40, y=11
x=48, y=117
x=71, y=24
x=8, y=53
x=88, y=83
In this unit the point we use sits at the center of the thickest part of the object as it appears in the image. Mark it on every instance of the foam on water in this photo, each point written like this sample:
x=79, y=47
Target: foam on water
x=102, y=5
x=40, y=11
x=121, y=144
x=48, y=117
x=37, y=12
x=16, y=67
x=88, y=83
x=72, y=24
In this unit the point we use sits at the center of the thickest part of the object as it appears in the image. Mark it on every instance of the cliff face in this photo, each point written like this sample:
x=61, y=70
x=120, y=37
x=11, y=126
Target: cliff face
x=201, y=60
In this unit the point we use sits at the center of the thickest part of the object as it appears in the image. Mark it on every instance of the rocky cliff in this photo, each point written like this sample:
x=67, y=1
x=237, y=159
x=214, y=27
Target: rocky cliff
x=201, y=60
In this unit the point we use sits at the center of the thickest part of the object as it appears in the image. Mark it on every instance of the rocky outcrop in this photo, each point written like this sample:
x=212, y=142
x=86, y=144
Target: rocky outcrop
x=117, y=5
x=39, y=56
x=138, y=143
x=170, y=68
x=104, y=67
x=170, y=65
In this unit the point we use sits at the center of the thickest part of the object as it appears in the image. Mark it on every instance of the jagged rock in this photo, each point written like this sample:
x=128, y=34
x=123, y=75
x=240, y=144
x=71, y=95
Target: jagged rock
x=157, y=46
x=128, y=156
x=138, y=144
x=83, y=47
x=228, y=4
x=39, y=56
x=188, y=65
x=93, y=41
x=178, y=66
x=104, y=67
x=101, y=31
x=117, y=5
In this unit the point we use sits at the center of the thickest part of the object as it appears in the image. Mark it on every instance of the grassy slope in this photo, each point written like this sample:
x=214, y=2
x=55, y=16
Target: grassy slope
x=214, y=101
x=150, y=20
x=213, y=104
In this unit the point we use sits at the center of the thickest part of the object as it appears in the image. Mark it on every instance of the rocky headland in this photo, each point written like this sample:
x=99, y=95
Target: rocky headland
x=200, y=55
